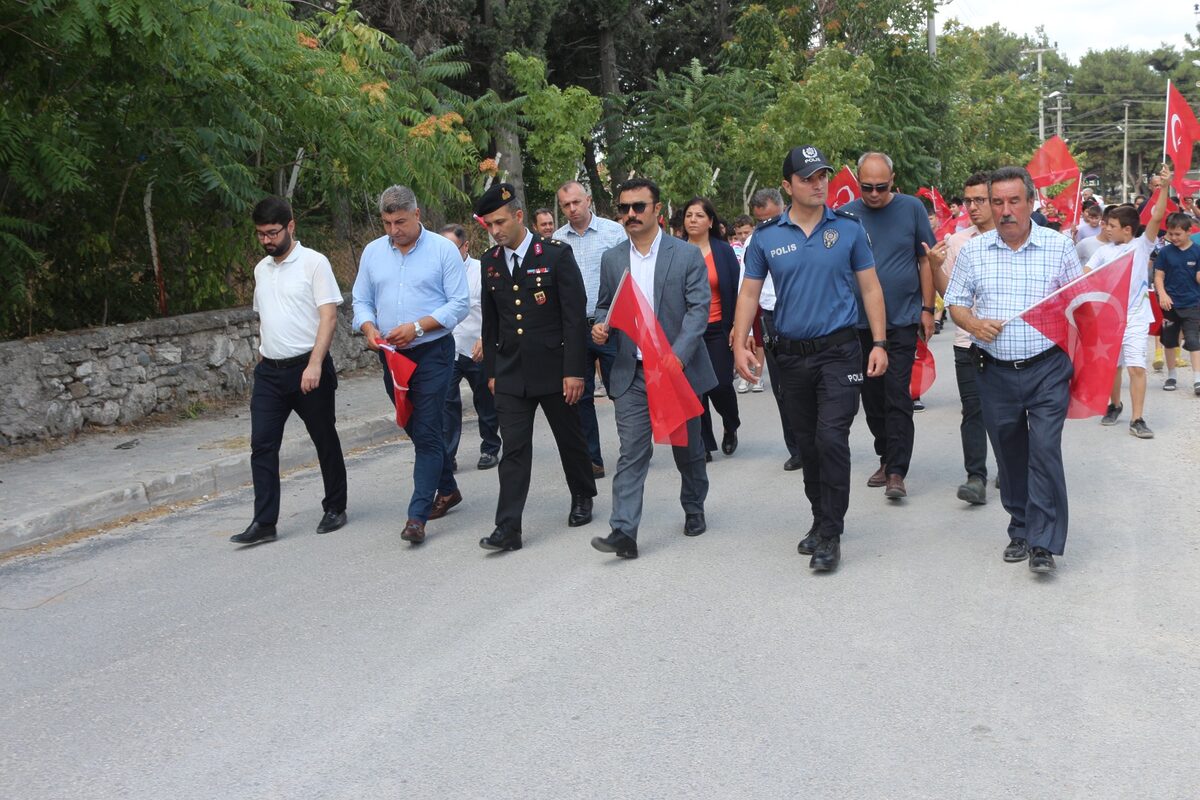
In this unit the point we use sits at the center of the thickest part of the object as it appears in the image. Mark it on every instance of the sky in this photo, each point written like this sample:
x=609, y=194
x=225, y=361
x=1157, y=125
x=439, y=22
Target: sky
x=1081, y=26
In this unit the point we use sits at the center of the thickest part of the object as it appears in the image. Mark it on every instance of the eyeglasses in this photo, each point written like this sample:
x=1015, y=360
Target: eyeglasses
x=875, y=188
x=974, y=201
x=265, y=235
x=638, y=208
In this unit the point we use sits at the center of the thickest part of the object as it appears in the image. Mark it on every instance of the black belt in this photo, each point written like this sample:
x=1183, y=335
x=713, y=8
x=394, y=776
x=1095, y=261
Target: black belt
x=806, y=347
x=1021, y=363
x=284, y=363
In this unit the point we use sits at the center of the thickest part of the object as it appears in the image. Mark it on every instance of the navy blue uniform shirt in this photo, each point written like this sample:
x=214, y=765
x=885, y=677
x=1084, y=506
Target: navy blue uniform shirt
x=813, y=275
x=1179, y=274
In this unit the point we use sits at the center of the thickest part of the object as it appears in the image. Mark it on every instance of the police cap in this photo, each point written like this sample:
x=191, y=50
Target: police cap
x=804, y=161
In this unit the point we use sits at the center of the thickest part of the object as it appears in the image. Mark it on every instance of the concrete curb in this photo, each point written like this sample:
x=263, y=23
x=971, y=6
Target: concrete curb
x=214, y=477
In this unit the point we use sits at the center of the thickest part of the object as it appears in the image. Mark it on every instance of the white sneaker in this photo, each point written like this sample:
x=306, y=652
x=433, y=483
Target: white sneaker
x=741, y=385
x=757, y=387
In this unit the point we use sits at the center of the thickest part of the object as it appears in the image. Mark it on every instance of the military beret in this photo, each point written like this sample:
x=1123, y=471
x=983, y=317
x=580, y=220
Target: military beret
x=501, y=194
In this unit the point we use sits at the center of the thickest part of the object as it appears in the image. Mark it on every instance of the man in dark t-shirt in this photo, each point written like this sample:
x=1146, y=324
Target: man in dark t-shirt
x=898, y=228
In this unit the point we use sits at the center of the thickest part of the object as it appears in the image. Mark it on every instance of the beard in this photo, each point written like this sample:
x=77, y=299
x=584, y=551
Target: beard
x=276, y=250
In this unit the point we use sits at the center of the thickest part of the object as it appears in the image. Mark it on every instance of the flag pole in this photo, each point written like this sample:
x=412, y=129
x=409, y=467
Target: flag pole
x=1167, y=121
x=1063, y=288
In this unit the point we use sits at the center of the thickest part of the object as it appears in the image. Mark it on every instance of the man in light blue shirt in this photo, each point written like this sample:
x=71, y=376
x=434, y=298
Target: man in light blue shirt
x=410, y=292
x=589, y=236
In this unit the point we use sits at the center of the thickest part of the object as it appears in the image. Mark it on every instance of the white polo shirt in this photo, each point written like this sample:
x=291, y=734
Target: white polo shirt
x=287, y=296
x=467, y=332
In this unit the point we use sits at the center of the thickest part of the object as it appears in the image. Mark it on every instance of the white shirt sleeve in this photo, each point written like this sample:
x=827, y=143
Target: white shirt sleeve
x=324, y=285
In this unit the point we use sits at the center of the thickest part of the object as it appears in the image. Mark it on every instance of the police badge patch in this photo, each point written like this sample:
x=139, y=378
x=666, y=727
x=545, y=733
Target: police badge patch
x=830, y=238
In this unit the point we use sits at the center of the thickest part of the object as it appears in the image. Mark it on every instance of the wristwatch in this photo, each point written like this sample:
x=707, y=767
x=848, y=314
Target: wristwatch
x=882, y=343
x=929, y=309
x=419, y=330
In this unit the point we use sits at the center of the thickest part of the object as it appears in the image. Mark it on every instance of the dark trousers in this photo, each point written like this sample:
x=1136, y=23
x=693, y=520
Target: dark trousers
x=481, y=398
x=1024, y=411
x=723, y=395
x=637, y=448
x=427, y=390
x=604, y=354
x=971, y=430
x=516, y=415
x=769, y=333
x=275, y=396
x=821, y=392
x=887, y=400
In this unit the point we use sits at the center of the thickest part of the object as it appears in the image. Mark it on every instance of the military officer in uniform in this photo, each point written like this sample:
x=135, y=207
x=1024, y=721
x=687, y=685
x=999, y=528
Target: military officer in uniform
x=534, y=351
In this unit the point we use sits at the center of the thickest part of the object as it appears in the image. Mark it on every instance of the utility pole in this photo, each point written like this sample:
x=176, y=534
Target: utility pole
x=1060, y=110
x=1041, y=98
x=931, y=33
x=1125, y=160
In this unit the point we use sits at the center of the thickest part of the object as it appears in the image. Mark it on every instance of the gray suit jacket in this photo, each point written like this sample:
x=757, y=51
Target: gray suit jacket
x=681, y=301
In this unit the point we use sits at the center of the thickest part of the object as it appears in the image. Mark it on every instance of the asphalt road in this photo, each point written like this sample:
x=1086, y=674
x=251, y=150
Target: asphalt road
x=159, y=661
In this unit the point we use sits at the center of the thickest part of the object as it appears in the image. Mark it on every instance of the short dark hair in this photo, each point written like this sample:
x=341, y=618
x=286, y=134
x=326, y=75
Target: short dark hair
x=955, y=200
x=977, y=179
x=1091, y=207
x=1126, y=216
x=1013, y=174
x=272, y=211
x=541, y=211
x=639, y=183
x=1178, y=219
x=743, y=219
x=455, y=229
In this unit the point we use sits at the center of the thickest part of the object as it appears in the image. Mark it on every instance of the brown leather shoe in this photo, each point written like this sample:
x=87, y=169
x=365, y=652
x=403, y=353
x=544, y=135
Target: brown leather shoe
x=443, y=503
x=414, y=531
x=878, y=478
x=895, y=488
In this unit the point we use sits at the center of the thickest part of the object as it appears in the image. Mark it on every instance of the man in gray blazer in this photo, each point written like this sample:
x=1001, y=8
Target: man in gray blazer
x=672, y=275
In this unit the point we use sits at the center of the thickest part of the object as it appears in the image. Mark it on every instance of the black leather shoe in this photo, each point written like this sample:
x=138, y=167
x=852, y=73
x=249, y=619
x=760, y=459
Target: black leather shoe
x=487, y=461
x=708, y=456
x=826, y=556
x=331, y=521
x=616, y=542
x=694, y=524
x=1041, y=561
x=792, y=464
x=597, y=471
x=254, y=534
x=729, y=442
x=1017, y=550
x=808, y=545
x=501, y=540
x=581, y=511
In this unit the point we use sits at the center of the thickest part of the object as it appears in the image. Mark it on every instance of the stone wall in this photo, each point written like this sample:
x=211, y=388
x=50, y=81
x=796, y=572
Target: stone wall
x=54, y=385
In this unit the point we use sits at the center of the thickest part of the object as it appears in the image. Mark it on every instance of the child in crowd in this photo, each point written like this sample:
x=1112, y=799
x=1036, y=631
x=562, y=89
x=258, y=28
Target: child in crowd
x=1177, y=282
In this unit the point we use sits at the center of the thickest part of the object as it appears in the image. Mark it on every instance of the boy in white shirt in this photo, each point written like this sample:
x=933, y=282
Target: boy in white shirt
x=1121, y=222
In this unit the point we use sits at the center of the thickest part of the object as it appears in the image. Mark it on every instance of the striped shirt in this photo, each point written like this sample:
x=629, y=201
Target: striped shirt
x=600, y=234
x=1000, y=283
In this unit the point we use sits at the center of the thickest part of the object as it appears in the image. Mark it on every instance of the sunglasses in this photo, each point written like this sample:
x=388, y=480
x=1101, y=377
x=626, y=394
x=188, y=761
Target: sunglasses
x=874, y=188
x=637, y=208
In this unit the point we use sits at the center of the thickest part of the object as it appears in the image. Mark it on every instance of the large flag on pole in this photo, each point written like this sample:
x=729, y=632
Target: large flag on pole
x=1144, y=217
x=1180, y=134
x=401, y=367
x=1053, y=164
x=843, y=188
x=670, y=397
x=1087, y=318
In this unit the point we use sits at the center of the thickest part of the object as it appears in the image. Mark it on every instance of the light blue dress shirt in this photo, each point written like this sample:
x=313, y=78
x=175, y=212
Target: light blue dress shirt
x=599, y=235
x=393, y=288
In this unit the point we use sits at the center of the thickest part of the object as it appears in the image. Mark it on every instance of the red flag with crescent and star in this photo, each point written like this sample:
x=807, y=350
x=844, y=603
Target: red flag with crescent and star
x=1181, y=133
x=1087, y=319
x=843, y=188
x=401, y=367
x=1053, y=164
x=669, y=396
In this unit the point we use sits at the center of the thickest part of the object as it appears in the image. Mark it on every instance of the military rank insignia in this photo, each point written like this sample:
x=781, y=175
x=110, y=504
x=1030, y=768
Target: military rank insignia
x=505, y=195
x=537, y=248
x=540, y=298
x=830, y=238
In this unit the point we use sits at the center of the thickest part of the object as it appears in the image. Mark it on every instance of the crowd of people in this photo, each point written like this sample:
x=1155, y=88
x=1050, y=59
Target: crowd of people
x=832, y=303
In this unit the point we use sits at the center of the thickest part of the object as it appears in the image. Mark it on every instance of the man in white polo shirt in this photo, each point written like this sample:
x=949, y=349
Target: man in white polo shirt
x=296, y=298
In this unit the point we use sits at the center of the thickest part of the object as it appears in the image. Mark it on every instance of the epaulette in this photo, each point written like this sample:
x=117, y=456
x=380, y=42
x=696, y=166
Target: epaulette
x=555, y=242
x=846, y=214
x=766, y=222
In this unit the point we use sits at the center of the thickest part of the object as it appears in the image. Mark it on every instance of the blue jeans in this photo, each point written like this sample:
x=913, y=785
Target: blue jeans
x=481, y=398
x=427, y=391
x=605, y=354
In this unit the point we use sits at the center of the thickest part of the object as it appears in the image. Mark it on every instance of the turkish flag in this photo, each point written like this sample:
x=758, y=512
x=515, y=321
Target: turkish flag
x=924, y=371
x=1144, y=217
x=1087, y=319
x=1181, y=133
x=1052, y=164
x=843, y=188
x=402, y=369
x=669, y=396
x=940, y=209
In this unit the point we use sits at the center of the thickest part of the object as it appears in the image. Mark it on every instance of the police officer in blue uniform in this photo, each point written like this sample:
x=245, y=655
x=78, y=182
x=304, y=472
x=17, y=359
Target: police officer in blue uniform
x=815, y=257
x=534, y=349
